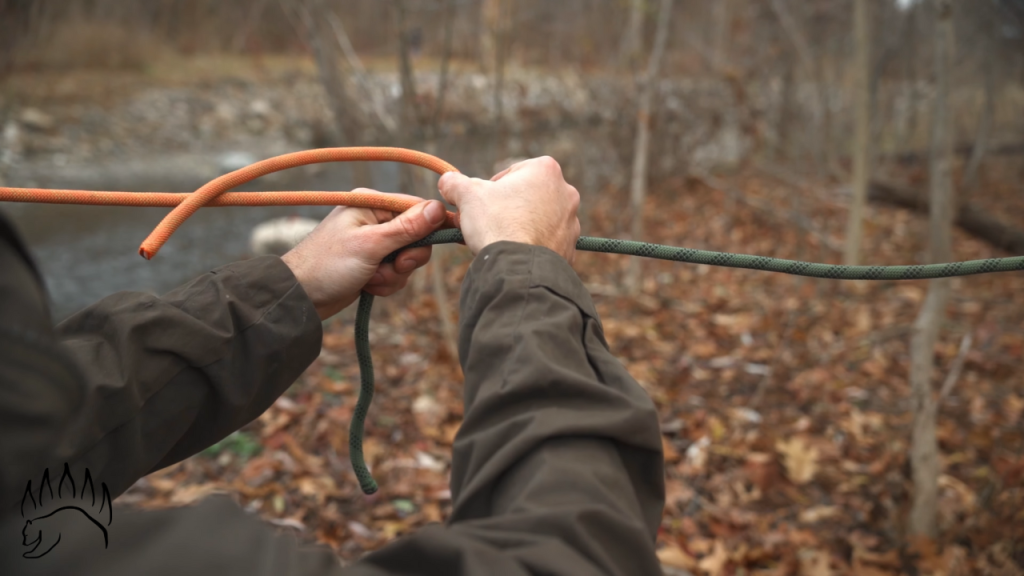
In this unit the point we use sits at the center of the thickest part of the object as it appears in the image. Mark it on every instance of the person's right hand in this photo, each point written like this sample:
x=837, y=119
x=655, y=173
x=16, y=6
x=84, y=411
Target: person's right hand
x=530, y=202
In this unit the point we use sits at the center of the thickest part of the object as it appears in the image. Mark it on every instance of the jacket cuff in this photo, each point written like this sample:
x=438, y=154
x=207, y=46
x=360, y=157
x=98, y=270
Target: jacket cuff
x=258, y=285
x=537, y=266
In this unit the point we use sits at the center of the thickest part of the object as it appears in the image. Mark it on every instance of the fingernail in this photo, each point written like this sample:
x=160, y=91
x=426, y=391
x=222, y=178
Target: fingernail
x=406, y=265
x=434, y=212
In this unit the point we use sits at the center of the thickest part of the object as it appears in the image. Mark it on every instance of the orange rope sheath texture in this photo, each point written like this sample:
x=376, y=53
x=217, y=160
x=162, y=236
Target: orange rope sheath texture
x=213, y=193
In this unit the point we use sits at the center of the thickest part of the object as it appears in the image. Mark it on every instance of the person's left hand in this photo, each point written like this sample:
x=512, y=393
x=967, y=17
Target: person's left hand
x=342, y=256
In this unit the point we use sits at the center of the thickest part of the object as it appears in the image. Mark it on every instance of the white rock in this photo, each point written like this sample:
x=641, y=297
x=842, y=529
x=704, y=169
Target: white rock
x=280, y=235
x=260, y=107
x=236, y=160
x=36, y=119
x=10, y=144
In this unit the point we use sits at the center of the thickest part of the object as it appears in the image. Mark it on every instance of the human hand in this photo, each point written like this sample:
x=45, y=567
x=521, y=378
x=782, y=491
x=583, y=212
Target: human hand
x=342, y=256
x=529, y=202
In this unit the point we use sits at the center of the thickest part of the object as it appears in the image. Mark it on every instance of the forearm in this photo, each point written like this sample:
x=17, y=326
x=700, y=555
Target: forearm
x=166, y=377
x=557, y=468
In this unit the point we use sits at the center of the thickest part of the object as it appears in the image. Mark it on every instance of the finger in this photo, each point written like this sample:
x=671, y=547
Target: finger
x=390, y=283
x=409, y=226
x=411, y=259
x=398, y=195
x=453, y=186
x=382, y=215
x=385, y=290
x=384, y=275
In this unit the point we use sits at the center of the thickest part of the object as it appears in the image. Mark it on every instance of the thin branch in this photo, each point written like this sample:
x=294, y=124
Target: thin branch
x=362, y=77
x=956, y=367
x=446, y=56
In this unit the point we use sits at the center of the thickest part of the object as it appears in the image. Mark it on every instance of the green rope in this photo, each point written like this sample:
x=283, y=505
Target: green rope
x=661, y=252
x=355, y=430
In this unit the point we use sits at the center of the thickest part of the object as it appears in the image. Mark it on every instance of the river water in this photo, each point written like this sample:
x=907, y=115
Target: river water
x=89, y=252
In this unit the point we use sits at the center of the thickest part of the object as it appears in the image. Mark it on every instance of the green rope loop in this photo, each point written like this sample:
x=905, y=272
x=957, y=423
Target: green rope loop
x=660, y=252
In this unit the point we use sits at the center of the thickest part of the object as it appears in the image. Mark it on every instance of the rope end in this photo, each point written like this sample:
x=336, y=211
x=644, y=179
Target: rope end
x=148, y=255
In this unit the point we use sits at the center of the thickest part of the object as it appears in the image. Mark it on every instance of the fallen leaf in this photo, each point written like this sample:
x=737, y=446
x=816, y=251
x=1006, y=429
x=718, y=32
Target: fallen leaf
x=814, y=562
x=449, y=431
x=761, y=469
x=800, y=459
x=677, y=492
x=697, y=454
x=671, y=454
x=192, y=493
x=714, y=563
x=968, y=499
x=1013, y=407
x=431, y=512
x=676, y=557
x=816, y=514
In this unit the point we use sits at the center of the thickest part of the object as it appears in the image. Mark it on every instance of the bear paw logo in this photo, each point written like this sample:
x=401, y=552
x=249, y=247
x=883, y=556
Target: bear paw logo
x=47, y=513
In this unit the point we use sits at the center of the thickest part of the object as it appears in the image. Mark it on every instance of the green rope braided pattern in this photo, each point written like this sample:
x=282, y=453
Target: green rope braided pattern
x=660, y=252
x=355, y=431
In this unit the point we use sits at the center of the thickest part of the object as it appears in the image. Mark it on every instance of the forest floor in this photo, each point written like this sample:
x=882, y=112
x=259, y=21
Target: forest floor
x=784, y=404
x=784, y=401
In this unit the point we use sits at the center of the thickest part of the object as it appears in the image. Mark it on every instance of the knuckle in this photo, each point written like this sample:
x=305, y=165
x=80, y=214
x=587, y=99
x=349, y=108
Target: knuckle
x=549, y=163
x=408, y=228
x=574, y=196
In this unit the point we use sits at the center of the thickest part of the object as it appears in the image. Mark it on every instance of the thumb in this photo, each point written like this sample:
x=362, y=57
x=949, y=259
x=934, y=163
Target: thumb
x=412, y=225
x=451, y=186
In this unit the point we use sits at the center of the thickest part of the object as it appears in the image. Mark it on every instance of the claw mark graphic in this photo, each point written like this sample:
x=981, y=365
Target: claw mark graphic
x=42, y=528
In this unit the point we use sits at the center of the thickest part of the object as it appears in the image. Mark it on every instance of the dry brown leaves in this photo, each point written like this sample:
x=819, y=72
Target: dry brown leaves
x=812, y=480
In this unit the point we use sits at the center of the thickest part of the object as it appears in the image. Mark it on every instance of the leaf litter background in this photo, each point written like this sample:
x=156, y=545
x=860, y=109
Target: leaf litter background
x=784, y=402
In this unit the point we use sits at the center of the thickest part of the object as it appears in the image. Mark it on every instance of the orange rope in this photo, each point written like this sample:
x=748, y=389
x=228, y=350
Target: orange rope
x=213, y=193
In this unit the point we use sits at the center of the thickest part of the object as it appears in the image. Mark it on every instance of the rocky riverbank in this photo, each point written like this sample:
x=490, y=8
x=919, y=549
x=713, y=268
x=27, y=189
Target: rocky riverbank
x=288, y=111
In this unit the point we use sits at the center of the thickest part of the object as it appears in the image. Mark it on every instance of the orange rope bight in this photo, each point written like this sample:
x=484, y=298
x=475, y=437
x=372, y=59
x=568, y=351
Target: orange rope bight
x=214, y=192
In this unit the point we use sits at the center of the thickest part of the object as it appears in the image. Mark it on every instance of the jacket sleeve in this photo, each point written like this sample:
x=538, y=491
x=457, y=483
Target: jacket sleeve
x=167, y=377
x=557, y=468
x=136, y=382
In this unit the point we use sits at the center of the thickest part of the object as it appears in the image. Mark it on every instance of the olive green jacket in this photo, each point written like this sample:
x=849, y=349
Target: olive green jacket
x=557, y=468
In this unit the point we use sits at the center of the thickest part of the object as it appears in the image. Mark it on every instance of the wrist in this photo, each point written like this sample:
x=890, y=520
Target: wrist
x=295, y=263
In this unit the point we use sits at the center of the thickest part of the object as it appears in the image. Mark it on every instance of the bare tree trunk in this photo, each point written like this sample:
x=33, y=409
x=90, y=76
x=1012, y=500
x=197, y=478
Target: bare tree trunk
x=815, y=73
x=781, y=148
x=629, y=49
x=442, y=80
x=984, y=135
x=924, y=449
x=638, y=184
x=490, y=15
x=723, y=19
x=862, y=122
x=502, y=25
x=412, y=118
x=252, y=17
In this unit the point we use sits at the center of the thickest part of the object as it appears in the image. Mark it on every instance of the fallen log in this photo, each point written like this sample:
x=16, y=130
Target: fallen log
x=970, y=217
x=965, y=150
